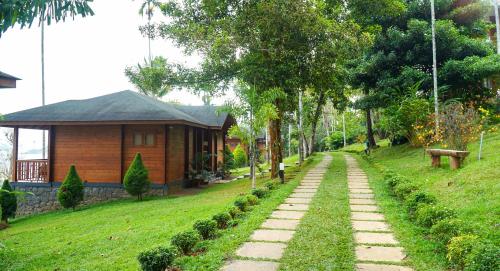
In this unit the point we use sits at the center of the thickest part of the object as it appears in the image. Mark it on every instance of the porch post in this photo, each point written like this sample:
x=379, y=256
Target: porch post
x=15, y=147
x=186, y=151
x=122, y=152
x=51, y=148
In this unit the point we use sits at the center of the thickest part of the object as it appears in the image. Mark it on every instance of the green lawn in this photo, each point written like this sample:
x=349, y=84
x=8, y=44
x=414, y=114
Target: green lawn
x=244, y=170
x=473, y=192
x=324, y=239
x=109, y=236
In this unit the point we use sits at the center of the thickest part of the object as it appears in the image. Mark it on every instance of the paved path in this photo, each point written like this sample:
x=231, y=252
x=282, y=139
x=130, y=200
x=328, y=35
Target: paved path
x=376, y=245
x=267, y=244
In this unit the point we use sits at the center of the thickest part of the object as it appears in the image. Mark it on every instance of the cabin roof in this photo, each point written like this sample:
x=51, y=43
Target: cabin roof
x=124, y=106
x=8, y=76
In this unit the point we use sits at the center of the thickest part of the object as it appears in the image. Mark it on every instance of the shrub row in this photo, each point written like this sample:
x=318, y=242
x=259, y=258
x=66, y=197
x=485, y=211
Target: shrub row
x=191, y=242
x=464, y=250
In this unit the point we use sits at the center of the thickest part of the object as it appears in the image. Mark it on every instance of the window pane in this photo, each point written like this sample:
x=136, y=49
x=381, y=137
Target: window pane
x=138, y=139
x=150, y=139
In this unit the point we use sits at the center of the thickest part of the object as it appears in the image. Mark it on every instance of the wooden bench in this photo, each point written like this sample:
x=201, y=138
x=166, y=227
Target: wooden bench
x=456, y=157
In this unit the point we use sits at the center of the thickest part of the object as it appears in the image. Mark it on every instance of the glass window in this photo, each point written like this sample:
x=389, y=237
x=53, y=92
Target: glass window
x=150, y=139
x=138, y=139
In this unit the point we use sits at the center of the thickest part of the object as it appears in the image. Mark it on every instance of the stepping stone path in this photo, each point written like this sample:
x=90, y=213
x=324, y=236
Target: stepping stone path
x=376, y=247
x=267, y=244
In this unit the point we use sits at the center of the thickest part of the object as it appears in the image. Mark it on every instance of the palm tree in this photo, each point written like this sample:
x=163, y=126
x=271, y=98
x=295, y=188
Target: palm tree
x=147, y=8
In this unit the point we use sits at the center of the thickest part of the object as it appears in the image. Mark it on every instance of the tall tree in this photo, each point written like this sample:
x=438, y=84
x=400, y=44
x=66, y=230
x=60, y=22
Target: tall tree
x=14, y=12
x=151, y=78
x=147, y=8
x=269, y=44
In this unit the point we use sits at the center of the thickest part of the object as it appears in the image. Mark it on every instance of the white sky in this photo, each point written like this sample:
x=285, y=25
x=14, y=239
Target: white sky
x=84, y=58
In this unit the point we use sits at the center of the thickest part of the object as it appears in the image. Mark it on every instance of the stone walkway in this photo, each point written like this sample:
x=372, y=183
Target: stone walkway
x=376, y=245
x=267, y=244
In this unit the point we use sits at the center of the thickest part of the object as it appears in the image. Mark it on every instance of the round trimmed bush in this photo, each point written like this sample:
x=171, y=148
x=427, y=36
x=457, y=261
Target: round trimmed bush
x=417, y=198
x=185, y=241
x=459, y=249
x=241, y=203
x=388, y=173
x=428, y=215
x=260, y=192
x=206, y=228
x=483, y=257
x=156, y=259
x=448, y=228
x=222, y=219
x=235, y=212
x=252, y=200
x=403, y=190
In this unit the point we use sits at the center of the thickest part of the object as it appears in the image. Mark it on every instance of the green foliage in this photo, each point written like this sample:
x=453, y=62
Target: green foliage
x=25, y=12
x=222, y=219
x=206, y=228
x=418, y=198
x=235, y=212
x=448, y=228
x=156, y=259
x=459, y=249
x=151, y=78
x=185, y=241
x=404, y=189
x=8, y=202
x=483, y=257
x=395, y=180
x=228, y=159
x=241, y=203
x=260, y=192
x=233, y=223
x=271, y=185
x=71, y=192
x=136, y=180
x=252, y=200
x=240, y=156
x=428, y=215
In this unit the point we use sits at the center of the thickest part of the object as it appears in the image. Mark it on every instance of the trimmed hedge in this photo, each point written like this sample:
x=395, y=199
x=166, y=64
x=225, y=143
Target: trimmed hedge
x=222, y=219
x=156, y=259
x=185, y=241
x=206, y=228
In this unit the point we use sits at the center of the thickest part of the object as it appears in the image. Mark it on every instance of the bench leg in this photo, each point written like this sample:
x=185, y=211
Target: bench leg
x=455, y=162
x=436, y=160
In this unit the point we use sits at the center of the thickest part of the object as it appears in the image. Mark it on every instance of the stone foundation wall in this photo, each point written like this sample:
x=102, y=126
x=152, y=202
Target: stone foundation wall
x=45, y=195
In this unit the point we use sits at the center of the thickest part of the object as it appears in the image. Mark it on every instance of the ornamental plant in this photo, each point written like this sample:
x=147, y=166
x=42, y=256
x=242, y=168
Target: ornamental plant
x=459, y=249
x=459, y=125
x=260, y=192
x=8, y=202
x=136, y=181
x=241, y=203
x=222, y=219
x=71, y=192
x=185, y=241
x=240, y=156
x=206, y=228
x=156, y=259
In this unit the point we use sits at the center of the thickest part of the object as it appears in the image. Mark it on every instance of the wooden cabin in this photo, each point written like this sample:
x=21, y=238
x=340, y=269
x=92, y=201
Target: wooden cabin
x=7, y=80
x=101, y=136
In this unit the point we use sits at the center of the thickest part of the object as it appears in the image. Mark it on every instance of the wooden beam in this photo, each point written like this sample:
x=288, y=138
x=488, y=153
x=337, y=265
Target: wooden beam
x=51, y=156
x=209, y=149
x=165, y=157
x=15, y=147
x=122, y=151
x=215, y=150
x=186, y=151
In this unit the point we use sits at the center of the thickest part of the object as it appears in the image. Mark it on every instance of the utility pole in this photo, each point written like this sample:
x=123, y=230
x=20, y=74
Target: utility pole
x=289, y=139
x=43, y=79
x=434, y=66
x=497, y=22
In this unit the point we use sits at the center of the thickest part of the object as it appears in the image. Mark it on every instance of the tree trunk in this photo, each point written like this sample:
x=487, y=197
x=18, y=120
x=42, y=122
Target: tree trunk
x=314, y=125
x=276, y=147
x=306, y=145
x=369, y=130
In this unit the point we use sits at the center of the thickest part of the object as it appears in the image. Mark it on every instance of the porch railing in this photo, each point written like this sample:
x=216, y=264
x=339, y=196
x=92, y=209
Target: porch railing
x=32, y=170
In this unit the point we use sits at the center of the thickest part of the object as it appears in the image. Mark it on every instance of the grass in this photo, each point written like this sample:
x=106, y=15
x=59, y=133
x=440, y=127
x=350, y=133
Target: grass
x=472, y=191
x=324, y=239
x=109, y=236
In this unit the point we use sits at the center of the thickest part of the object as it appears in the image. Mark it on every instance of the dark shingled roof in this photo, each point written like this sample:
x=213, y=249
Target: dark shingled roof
x=120, y=106
x=8, y=76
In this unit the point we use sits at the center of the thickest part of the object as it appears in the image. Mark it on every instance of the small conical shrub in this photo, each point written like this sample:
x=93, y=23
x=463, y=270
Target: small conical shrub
x=70, y=194
x=8, y=202
x=240, y=156
x=136, y=180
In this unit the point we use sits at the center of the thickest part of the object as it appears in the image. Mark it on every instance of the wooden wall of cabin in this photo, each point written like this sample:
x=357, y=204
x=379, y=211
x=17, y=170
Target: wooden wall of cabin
x=153, y=156
x=175, y=153
x=94, y=150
